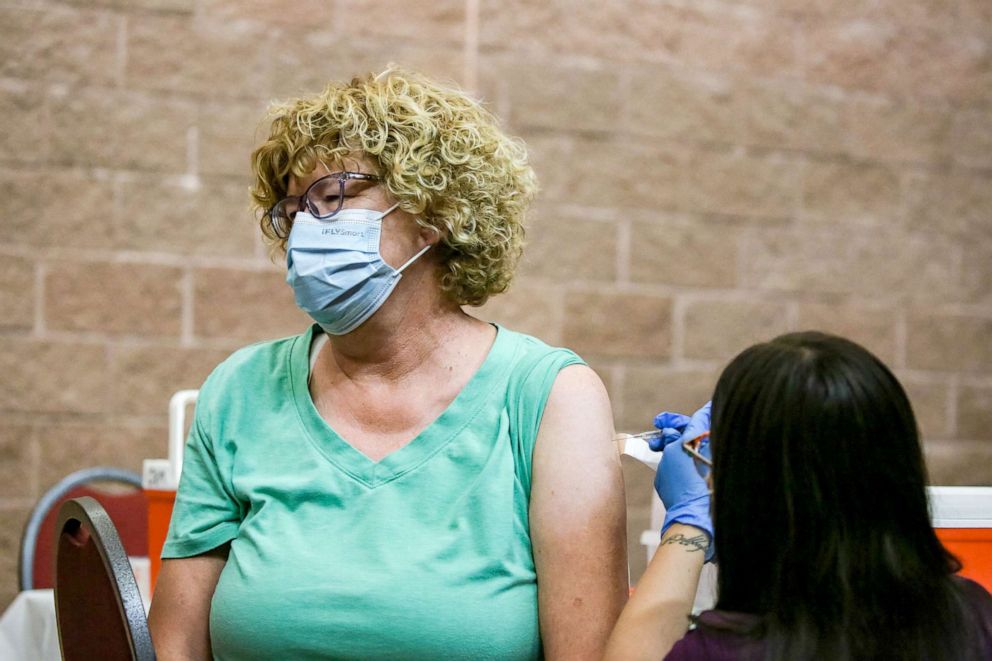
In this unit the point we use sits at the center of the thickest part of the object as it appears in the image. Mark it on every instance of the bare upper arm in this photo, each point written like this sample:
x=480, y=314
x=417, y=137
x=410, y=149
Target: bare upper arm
x=179, y=617
x=578, y=518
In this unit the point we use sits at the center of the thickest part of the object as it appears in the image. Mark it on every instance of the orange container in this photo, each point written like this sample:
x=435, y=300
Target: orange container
x=160, y=505
x=962, y=517
x=973, y=547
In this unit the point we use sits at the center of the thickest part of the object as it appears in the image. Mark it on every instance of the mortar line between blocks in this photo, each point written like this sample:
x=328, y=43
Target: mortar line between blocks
x=953, y=392
x=193, y=151
x=624, y=234
x=678, y=329
x=471, y=46
x=901, y=339
x=40, y=270
x=186, y=319
x=121, y=73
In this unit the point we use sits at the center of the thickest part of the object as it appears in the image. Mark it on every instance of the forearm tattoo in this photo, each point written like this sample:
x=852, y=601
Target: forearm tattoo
x=692, y=544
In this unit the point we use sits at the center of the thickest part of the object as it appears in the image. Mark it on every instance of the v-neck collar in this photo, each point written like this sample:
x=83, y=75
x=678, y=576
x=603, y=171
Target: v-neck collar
x=452, y=420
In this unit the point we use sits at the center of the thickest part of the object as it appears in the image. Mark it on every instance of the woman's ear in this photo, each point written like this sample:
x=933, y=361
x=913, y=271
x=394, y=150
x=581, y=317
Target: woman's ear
x=430, y=234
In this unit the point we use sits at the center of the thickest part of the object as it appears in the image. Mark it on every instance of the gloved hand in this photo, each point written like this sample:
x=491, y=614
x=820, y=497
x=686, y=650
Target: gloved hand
x=685, y=494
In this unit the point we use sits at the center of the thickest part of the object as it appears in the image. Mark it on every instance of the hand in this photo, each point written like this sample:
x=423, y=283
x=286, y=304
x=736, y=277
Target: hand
x=684, y=493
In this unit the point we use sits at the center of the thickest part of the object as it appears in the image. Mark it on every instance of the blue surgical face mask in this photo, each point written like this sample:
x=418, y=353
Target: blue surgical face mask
x=336, y=270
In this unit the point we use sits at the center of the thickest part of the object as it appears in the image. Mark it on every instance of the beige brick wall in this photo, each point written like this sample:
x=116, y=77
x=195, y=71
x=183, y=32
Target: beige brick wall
x=713, y=173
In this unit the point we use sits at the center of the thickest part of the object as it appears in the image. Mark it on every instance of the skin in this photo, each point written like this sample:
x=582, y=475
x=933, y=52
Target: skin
x=386, y=381
x=180, y=610
x=578, y=519
x=657, y=615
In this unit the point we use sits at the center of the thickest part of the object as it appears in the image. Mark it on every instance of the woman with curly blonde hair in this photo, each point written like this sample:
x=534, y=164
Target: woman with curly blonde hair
x=390, y=483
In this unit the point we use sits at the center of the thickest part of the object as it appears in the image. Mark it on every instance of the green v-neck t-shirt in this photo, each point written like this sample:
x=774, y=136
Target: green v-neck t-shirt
x=425, y=554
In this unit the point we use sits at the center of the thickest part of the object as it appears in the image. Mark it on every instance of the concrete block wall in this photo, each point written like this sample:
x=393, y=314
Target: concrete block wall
x=713, y=173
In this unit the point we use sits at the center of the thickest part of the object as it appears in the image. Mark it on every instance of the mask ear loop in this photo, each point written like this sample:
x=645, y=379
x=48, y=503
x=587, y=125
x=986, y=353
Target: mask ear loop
x=422, y=250
x=414, y=258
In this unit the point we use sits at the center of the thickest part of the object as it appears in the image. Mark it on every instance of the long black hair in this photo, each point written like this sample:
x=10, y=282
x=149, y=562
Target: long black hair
x=820, y=511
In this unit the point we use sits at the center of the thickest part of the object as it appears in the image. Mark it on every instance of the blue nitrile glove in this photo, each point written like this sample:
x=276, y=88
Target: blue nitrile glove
x=685, y=494
x=671, y=425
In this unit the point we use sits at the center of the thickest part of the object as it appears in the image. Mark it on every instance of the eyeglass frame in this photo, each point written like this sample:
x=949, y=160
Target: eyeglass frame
x=304, y=200
x=691, y=448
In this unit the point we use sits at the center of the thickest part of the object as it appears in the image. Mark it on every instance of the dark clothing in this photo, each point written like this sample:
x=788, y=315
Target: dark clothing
x=727, y=636
x=721, y=636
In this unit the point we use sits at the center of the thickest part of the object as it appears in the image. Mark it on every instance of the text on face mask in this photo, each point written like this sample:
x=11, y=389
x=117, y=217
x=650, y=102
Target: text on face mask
x=337, y=231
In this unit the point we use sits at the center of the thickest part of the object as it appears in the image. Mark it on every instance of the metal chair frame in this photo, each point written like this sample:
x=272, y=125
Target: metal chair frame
x=86, y=512
x=51, y=497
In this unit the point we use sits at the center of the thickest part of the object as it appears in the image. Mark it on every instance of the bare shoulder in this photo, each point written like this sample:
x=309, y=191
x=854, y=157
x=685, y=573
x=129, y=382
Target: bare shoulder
x=579, y=381
x=578, y=416
x=576, y=465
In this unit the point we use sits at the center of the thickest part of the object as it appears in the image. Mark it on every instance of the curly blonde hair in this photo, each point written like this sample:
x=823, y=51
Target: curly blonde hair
x=439, y=152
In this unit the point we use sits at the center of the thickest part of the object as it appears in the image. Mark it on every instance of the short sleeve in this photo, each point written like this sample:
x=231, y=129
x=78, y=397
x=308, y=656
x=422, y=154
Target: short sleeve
x=207, y=513
x=528, y=397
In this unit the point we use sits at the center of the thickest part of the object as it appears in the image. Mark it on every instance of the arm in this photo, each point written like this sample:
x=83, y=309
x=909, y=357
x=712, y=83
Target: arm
x=657, y=615
x=578, y=519
x=180, y=613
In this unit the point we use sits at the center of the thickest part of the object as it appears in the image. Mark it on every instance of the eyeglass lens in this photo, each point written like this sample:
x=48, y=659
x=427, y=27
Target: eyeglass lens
x=325, y=196
x=323, y=199
x=698, y=449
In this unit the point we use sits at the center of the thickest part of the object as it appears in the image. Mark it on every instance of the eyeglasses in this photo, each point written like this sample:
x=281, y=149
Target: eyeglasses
x=697, y=448
x=322, y=199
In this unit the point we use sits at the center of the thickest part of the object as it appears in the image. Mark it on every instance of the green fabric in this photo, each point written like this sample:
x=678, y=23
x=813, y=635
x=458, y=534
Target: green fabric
x=425, y=554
